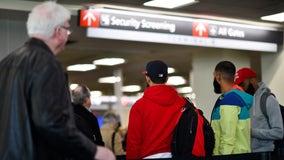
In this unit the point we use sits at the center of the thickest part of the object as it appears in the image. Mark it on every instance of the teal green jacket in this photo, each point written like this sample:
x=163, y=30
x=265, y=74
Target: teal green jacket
x=230, y=121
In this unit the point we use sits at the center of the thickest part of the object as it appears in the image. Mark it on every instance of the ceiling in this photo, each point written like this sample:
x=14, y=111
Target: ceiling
x=84, y=50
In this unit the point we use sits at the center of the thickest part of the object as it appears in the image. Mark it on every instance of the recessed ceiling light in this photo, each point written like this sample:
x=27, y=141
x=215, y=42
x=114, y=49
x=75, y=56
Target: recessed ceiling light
x=109, y=61
x=81, y=67
x=73, y=86
x=170, y=4
x=111, y=79
x=131, y=88
x=96, y=93
x=279, y=17
x=171, y=70
x=176, y=80
x=184, y=90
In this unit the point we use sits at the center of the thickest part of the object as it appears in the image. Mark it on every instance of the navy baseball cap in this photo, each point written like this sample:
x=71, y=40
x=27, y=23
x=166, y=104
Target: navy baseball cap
x=156, y=69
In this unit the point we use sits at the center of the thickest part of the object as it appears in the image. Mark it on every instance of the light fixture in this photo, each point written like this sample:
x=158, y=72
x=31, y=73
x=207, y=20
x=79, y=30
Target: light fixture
x=109, y=61
x=81, y=67
x=96, y=93
x=279, y=17
x=131, y=88
x=176, y=80
x=170, y=4
x=171, y=70
x=73, y=86
x=111, y=79
x=184, y=90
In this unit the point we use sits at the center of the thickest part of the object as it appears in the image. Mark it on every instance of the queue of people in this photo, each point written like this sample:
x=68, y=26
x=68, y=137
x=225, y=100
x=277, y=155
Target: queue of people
x=38, y=121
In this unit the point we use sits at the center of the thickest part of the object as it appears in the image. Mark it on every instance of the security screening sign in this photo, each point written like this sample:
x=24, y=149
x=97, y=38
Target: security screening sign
x=146, y=27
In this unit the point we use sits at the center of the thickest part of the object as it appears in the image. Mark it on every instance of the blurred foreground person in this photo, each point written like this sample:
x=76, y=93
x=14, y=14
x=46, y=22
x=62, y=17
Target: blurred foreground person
x=36, y=116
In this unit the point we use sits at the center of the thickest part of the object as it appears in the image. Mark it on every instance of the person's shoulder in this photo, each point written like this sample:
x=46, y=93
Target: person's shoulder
x=237, y=93
x=138, y=105
x=182, y=100
x=78, y=109
x=140, y=100
x=237, y=98
x=41, y=57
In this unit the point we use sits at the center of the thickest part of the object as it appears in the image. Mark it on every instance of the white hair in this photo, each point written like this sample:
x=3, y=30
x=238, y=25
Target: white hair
x=45, y=17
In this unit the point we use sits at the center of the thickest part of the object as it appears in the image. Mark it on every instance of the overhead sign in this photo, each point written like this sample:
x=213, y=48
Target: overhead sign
x=89, y=18
x=200, y=29
x=137, y=26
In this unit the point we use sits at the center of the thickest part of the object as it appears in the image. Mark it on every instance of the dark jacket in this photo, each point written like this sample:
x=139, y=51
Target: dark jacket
x=36, y=116
x=88, y=124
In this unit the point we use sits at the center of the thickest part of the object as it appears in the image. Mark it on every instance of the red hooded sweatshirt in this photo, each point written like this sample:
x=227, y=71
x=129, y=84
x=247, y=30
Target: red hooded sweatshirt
x=152, y=120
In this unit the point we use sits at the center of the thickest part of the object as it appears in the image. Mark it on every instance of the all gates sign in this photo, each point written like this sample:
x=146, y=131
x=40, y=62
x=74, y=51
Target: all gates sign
x=158, y=28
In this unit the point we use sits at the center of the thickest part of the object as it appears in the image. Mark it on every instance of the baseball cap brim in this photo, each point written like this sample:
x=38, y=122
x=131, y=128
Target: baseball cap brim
x=144, y=72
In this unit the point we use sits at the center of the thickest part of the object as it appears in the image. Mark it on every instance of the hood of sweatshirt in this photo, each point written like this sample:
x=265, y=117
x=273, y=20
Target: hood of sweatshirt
x=257, y=95
x=161, y=94
x=262, y=88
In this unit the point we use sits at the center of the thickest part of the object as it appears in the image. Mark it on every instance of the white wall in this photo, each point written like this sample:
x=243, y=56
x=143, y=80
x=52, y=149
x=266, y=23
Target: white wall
x=272, y=69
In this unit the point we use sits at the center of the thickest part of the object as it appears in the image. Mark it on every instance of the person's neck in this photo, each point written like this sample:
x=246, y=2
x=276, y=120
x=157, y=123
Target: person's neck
x=47, y=41
x=86, y=106
x=156, y=84
x=227, y=87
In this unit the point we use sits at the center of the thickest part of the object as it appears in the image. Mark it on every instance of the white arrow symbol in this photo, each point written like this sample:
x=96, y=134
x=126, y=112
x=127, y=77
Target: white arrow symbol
x=200, y=29
x=89, y=16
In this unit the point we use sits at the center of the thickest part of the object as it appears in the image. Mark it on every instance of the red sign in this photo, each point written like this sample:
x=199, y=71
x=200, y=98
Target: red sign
x=89, y=18
x=200, y=29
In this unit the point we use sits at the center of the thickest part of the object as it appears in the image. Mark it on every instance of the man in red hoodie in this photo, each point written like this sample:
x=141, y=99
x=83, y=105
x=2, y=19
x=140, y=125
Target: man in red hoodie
x=153, y=117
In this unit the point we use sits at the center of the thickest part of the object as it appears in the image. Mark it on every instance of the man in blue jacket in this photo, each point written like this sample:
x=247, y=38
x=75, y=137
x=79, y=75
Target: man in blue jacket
x=230, y=118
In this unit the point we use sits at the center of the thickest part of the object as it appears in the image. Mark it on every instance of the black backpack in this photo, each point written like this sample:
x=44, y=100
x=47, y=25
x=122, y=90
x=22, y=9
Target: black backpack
x=193, y=136
x=279, y=144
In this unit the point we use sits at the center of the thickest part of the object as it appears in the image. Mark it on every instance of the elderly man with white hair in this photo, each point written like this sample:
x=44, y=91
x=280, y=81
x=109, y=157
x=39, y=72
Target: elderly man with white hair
x=36, y=120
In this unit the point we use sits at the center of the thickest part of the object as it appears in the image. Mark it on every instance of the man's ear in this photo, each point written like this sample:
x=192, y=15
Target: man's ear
x=57, y=32
x=85, y=100
x=148, y=80
x=167, y=80
x=218, y=77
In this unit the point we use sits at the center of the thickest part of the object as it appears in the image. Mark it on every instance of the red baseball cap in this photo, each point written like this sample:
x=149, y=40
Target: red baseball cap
x=243, y=74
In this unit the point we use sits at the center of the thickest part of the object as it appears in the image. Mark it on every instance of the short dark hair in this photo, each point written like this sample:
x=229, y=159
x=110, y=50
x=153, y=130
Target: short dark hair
x=79, y=94
x=227, y=70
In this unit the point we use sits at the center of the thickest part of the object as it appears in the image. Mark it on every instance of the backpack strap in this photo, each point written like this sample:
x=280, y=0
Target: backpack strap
x=188, y=100
x=112, y=141
x=263, y=100
x=185, y=107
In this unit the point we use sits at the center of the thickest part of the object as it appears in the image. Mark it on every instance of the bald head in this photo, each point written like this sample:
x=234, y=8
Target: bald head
x=80, y=94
